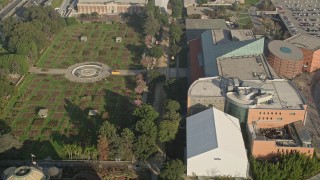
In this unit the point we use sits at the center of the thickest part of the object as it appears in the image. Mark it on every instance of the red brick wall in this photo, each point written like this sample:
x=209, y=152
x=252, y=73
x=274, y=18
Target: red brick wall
x=271, y=118
x=269, y=148
x=285, y=68
x=315, y=61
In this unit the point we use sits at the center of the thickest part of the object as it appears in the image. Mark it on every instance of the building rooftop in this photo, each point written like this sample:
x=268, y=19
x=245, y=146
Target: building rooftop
x=242, y=34
x=195, y=27
x=212, y=51
x=245, y=68
x=291, y=135
x=305, y=41
x=282, y=94
x=221, y=36
x=24, y=172
x=212, y=129
x=207, y=87
x=285, y=50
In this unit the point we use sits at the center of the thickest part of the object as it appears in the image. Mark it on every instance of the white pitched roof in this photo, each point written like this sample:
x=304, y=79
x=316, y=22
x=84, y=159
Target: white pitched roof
x=211, y=129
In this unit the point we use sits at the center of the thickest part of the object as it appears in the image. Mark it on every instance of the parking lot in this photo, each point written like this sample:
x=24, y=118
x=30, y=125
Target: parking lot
x=300, y=16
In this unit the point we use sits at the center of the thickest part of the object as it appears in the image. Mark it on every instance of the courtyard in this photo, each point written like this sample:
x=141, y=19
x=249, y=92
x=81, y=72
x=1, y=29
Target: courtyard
x=67, y=48
x=68, y=103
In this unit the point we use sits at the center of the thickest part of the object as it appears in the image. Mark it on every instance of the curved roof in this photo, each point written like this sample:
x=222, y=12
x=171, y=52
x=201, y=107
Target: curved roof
x=285, y=50
x=206, y=87
x=26, y=173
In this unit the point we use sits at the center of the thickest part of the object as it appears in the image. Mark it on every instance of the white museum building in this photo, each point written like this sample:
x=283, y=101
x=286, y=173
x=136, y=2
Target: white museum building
x=215, y=146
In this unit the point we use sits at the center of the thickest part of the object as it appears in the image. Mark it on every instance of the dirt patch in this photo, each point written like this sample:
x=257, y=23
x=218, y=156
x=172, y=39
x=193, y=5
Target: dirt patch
x=47, y=132
x=60, y=108
x=53, y=123
x=38, y=122
x=28, y=114
x=18, y=133
x=22, y=123
x=57, y=115
x=34, y=132
x=45, y=86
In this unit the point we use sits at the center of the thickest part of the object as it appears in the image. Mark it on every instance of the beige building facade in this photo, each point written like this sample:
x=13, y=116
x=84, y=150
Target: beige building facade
x=109, y=7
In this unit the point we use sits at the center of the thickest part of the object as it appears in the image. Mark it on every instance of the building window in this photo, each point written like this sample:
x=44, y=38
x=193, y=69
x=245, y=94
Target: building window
x=276, y=113
x=264, y=113
x=279, y=118
x=308, y=151
x=292, y=113
x=259, y=112
x=271, y=112
x=280, y=113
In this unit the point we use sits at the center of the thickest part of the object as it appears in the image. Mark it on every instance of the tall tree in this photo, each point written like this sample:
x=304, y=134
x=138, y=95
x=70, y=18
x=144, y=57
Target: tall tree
x=168, y=130
x=126, y=145
x=151, y=26
x=172, y=105
x=147, y=127
x=145, y=111
x=175, y=32
x=103, y=148
x=156, y=52
x=144, y=147
x=173, y=170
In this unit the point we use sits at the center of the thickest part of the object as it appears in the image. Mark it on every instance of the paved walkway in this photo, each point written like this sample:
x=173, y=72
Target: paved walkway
x=35, y=70
x=64, y=163
x=182, y=72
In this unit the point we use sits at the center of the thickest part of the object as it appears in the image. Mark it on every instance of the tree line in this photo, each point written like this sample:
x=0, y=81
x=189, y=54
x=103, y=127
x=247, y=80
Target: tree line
x=291, y=166
x=25, y=38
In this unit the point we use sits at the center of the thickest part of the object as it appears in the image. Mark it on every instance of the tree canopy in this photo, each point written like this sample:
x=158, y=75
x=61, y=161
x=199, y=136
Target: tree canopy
x=175, y=32
x=14, y=64
x=151, y=25
x=172, y=105
x=291, y=166
x=145, y=111
x=156, y=52
x=144, y=147
x=177, y=6
x=8, y=142
x=172, y=170
x=147, y=127
x=169, y=125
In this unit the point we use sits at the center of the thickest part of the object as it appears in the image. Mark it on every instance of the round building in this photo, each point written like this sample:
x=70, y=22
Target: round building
x=25, y=173
x=285, y=58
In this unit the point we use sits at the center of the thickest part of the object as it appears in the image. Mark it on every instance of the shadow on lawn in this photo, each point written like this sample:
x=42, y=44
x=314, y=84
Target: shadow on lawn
x=83, y=129
x=136, y=22
x=42, y=149
x=136, y=51
x=84, y=132
x=119, y=107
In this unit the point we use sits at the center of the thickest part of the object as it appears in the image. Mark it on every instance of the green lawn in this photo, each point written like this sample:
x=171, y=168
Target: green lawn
x=69, y=102
x=67, y=49
x=3, y=3
x=56, y=3
x=243, y=21
x=250, y=2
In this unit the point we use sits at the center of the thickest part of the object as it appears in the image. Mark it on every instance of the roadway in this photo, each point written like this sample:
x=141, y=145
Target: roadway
x=6, y=10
